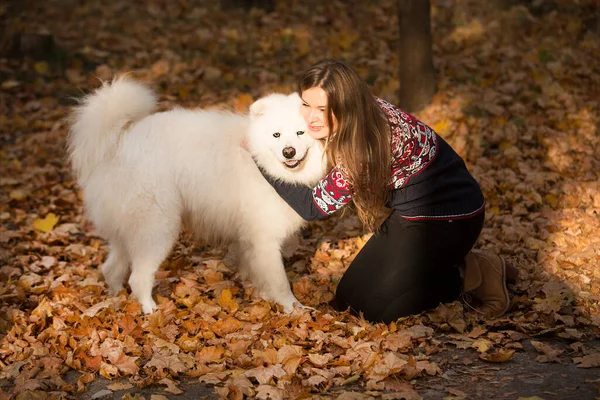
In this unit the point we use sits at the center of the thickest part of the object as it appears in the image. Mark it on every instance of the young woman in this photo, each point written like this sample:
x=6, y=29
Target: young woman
x=421, y=255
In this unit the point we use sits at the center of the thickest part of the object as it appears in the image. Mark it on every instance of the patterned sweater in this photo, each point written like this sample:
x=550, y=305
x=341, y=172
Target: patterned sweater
x=428, y=180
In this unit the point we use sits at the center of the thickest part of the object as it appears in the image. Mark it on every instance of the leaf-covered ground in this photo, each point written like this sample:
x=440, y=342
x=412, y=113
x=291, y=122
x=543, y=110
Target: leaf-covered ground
x=518, y=97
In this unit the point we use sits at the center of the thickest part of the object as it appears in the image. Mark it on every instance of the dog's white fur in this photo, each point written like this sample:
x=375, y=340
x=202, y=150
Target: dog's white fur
x=145, y=175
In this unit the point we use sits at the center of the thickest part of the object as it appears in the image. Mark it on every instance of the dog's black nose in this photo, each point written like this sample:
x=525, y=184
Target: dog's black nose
x=289, y=152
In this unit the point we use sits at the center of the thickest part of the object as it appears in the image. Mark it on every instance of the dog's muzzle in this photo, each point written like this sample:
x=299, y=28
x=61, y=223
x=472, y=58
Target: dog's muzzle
x=289, y=153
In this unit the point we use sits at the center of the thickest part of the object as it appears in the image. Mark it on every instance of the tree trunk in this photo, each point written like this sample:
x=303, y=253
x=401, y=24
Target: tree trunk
x=417, y=75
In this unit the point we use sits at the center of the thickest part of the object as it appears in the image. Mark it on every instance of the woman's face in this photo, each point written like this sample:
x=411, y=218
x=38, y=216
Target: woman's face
x=313, y=109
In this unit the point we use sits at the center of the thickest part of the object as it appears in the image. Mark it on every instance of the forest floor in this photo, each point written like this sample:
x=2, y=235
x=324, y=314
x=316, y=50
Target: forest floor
x=518, y=97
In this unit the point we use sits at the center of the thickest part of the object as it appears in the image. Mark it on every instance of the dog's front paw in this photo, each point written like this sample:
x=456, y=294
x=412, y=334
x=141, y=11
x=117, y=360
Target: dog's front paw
x=148, y=306
x=293, y=304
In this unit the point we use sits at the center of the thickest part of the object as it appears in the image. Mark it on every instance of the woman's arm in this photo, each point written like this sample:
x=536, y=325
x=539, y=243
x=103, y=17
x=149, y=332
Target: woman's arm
x=330, y=194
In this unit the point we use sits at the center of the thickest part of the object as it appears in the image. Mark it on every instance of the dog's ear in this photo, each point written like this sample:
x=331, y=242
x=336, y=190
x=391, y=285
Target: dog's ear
x=258, y=107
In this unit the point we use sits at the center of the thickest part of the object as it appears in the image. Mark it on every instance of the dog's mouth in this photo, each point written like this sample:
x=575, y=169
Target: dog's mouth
x=291, y=164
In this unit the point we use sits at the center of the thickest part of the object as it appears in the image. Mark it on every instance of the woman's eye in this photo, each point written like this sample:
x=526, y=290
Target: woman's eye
x=276, y=134
x=300, y=133
x=304, y=105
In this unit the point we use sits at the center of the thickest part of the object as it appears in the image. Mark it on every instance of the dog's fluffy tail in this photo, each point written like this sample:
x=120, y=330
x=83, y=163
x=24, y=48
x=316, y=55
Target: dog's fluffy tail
x=100, y=120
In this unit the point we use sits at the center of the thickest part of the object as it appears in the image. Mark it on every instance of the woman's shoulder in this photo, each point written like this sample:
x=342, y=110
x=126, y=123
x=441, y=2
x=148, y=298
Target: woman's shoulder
x=394, y=114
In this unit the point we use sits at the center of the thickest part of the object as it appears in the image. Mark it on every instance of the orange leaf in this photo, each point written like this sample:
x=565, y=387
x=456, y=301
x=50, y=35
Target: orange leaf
x=108, y=371
x=210, y=354
x=127, y=364
x=242, y=102
x=226, y=326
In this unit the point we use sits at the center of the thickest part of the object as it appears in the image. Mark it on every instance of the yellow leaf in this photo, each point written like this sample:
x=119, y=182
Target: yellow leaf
x=46, y=224
x=9, y=84
x=227, y=301
x=346, y=39
x=498, y=356
x=17, y=195
x=551, y=199
x=41, y=67
x=442, y=127
x=184, y=94
x=229, y=77
x=482, y=345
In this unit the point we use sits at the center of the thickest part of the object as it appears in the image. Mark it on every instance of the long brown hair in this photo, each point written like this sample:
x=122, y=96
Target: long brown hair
x=361, y=144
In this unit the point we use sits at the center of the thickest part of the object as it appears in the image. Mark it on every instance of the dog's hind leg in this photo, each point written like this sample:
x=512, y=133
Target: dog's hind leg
x=262, y=258
x=115, y=268
x=149, y=249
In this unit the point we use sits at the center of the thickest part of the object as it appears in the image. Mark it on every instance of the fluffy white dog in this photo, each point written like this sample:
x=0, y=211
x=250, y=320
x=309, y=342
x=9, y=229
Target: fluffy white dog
x=145, y=175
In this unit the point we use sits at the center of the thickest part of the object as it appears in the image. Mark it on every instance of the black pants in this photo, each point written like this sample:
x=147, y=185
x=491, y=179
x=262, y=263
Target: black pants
x=408, y=267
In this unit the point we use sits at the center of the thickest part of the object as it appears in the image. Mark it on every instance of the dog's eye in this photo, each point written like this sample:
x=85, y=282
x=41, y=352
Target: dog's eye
x=276, y=134
x=300, y=133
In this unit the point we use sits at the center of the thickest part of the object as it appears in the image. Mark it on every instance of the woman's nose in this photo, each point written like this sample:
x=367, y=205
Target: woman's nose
x=314, y=115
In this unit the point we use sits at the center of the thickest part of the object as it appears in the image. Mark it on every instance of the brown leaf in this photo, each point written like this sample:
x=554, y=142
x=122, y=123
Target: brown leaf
x=115, y=387
x=171, y=386
x=290, y=357
x=398, y=341
x=160, y=68
x=170, y=363
x=265, y=375
x=320, y=360
x=550, y=354
x=269, y=392
x=126, y=364
x=389, y=364
x=588, y=361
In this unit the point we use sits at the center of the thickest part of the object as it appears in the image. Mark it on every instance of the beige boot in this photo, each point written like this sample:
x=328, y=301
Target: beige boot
x=485, y=279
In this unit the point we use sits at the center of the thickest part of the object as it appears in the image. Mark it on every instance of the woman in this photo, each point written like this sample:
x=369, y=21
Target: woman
x=385, y=157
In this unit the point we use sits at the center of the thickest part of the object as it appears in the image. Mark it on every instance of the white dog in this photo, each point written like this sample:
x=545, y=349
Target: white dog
x=143, y=175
